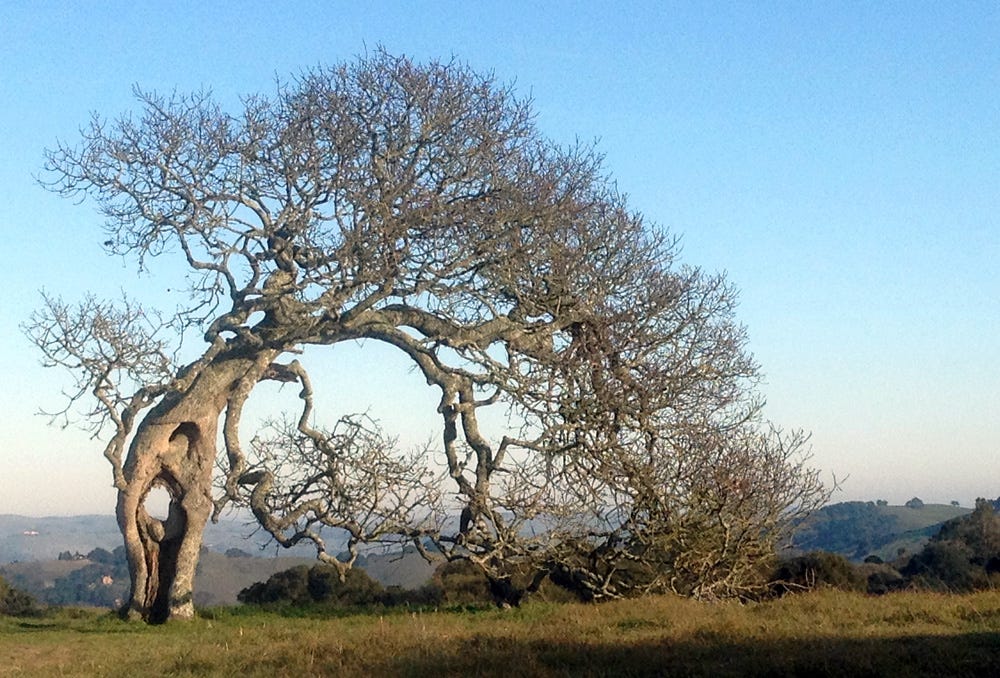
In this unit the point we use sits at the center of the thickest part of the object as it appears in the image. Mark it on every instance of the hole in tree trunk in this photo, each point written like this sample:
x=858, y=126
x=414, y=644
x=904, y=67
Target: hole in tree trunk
x=157, y=502
x=166, y=526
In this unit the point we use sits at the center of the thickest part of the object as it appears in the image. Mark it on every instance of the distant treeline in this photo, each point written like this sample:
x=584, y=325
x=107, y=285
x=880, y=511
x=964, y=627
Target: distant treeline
x=963, y=556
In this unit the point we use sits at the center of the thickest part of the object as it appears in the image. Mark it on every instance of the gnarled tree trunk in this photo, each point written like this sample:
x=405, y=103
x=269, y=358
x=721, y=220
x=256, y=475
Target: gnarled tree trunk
x=174, y=448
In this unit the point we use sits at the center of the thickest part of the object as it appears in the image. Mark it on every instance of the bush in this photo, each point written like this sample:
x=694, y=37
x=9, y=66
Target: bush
x=882, y=579
x=462, y=583
x=962, y=556
x=319, y=584
x=979, y=531
x=357, y=588
x=455, y=583
x=815, y=570
x=287, y=586
x=428, y=595
x=880, y=583
x=15, y=603
x=945, y=566
x=102, y=556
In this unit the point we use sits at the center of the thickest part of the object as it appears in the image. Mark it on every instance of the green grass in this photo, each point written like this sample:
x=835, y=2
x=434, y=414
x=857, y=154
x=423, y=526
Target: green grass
x=823, y=633
x=928, y=514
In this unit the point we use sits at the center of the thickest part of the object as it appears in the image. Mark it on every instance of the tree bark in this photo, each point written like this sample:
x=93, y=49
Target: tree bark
x=174, y=448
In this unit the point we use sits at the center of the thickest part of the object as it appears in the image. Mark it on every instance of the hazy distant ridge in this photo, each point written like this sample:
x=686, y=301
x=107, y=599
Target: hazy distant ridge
x=24, y=538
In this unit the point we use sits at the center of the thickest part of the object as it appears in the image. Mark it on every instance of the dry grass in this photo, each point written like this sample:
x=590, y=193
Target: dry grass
x=819, y=634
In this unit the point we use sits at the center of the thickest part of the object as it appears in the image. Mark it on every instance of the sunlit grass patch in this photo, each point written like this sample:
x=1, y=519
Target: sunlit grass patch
x=824, y=633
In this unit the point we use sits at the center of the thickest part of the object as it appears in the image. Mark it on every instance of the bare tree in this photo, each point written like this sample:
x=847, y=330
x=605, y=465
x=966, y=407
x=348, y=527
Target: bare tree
x=417, y=206
x=701, y=517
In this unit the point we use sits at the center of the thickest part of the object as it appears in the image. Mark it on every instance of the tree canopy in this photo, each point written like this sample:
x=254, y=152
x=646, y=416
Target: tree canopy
x=419, y=206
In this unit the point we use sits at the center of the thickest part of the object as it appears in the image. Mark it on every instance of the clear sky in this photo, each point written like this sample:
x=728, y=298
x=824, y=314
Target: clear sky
x=840, y=161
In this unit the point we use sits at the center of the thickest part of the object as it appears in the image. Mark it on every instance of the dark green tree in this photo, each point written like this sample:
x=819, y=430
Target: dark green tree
x=319, y=585
x=979, y=531
x=944, y=566
x=14, y=602
x=962, y=555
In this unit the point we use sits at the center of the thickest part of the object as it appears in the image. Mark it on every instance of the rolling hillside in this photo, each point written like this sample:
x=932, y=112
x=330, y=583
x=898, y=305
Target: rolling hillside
x=855, y=530
x=218, y=580
x=859, y=529
x=30, y=547
x=26, y=538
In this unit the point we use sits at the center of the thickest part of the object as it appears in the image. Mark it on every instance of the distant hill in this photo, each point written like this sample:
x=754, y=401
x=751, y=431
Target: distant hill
x=25, y=538
x=85, y=582
x=218, y=580
x=859, y=529
x=853, y=529
x=30, y=548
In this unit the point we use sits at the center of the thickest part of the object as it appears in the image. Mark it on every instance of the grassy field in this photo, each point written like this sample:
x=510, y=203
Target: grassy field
x=928, y=514
x=916, y=526
x=822, y=633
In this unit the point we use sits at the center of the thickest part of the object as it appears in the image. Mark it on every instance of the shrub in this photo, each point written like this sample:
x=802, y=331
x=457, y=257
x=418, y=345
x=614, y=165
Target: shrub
x=882, y=578
x=357, y=588
x=962, y=556
x=287, y=586
x=428, y=595
x=102, y=556
x=14, y=602
x=945, y=566
x=815, y=570
x=462, y=583
x=979, y=531
x=319, y=584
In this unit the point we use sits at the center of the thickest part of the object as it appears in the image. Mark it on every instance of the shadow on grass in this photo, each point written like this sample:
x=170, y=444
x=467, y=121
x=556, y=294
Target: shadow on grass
x=975, y=654
x=323, y=612
x=71, y=620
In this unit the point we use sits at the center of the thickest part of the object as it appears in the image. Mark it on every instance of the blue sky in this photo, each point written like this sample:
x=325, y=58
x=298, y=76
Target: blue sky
x=840, y=161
